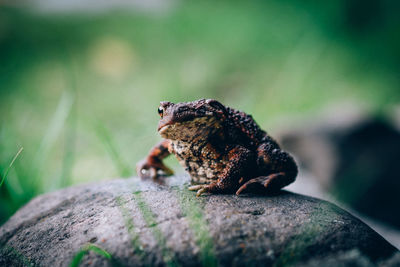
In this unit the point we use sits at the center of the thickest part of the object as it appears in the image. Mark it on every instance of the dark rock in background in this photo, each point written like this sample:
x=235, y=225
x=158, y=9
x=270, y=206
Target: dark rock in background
x=367, y=176
x=136, y=223
x=355, y=158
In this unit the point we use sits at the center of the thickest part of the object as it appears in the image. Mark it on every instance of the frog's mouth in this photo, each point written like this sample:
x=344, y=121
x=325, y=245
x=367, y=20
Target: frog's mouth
x=168, y=120
x=174, y=122
x=171, y=129
x=164, y=129
x=164, y=125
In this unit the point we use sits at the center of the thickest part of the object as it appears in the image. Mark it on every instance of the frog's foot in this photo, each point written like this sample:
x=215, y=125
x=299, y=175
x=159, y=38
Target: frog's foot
x=201, y=188
x=147, y=169
x=270, y=183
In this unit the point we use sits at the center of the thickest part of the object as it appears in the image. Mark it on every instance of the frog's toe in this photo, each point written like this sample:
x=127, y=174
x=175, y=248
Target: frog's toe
x=146, y=172
x=251, y=183
x=201, y=188
x=201, y=191
x=271, y=183
x=195, y=187
x=146, y=169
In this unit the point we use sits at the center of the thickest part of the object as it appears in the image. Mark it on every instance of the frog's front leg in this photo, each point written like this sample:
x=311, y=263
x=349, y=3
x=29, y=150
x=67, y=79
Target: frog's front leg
x=152, y=164
x=241, y=161
x=279, y=166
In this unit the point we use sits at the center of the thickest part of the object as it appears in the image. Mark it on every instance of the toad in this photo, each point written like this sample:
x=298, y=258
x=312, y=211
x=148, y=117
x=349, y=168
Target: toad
x=223, y=150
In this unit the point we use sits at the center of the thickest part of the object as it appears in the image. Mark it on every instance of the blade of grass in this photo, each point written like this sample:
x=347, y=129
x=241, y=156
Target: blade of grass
x=105, y=137
x=9, y=166
x=56, y=124
x=69, y=156
x=85, y=250
x=50, y=137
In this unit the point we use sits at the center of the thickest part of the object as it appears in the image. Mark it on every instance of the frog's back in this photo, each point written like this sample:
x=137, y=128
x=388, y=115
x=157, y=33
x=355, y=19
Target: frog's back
x=244, y=129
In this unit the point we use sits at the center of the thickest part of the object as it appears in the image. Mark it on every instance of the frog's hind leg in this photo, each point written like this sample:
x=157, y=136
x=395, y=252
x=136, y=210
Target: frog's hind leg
x=240, y=160
x=269, y=184
x=278, y=164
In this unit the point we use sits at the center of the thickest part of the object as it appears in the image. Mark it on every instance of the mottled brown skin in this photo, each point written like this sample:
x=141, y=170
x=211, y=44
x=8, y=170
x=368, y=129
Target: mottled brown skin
x=224, y=150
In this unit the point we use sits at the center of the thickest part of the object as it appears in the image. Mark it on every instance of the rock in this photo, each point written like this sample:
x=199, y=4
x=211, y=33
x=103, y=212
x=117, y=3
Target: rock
x=370, y=156
x=135, y=223
x=356, y=162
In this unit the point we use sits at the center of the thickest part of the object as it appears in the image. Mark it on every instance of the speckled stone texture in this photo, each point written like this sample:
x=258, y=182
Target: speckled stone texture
x=141, y=223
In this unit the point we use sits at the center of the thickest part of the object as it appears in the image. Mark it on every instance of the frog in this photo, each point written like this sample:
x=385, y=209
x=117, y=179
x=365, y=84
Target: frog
x=223, y=149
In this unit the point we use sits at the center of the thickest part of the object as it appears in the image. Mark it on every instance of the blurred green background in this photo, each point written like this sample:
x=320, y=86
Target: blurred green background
x=79, y=89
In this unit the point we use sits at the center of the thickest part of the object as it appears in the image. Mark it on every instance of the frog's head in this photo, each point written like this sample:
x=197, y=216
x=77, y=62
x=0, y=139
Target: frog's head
x=190, y=120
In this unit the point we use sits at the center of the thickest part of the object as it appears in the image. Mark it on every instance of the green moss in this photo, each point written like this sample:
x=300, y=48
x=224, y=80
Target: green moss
x=192, y=208
x=130, y=226
x=317, y=222
x=15, y=255
x=150, y=219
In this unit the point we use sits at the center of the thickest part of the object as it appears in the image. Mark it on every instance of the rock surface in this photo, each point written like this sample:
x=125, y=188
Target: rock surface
x=356, y=161
x=135, y=223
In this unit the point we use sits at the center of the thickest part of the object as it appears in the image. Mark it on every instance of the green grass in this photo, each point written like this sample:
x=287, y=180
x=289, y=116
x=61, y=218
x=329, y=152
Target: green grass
x=123, y=168
x=4, y=176
x=80, y=92
x=85, y=250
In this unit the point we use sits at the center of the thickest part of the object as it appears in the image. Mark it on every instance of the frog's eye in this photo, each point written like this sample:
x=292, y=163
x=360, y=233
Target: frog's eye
x=161, y=111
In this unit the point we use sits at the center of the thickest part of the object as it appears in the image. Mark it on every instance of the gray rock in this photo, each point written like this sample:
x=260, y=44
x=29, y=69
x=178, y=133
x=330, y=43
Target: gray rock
x=356, y=161
x=135, y=223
